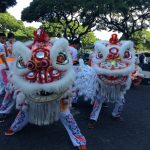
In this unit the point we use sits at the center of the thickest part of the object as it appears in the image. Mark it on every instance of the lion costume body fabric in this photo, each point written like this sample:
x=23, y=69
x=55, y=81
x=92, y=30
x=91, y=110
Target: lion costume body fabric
x=42, y=76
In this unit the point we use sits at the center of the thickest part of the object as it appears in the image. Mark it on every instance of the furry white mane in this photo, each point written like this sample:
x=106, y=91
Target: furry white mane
x=61, y=45
x=104, y=47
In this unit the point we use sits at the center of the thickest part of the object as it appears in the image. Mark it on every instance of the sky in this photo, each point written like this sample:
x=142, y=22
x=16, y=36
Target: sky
x=16, y=11
x=21, y=4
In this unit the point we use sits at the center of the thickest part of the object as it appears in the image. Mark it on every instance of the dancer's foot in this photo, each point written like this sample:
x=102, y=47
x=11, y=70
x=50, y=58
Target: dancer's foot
x=91, y=124
x=9, y=132
x=82, y=147
x=3, y=118
x=105, y=105
x=119, y=118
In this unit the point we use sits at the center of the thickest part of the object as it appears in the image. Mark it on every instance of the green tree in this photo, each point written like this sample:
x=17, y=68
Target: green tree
x=4, y=4
x=88, y=39
x=8, y=22
x=142, y=40
x=57, y=29
x=126, y=16
x=70, y=14
x=25, y=33
x=29, y=31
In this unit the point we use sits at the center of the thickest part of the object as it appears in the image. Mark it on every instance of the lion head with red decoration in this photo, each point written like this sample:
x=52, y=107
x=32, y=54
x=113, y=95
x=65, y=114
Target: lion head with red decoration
x=41, y=70
x=114, y=60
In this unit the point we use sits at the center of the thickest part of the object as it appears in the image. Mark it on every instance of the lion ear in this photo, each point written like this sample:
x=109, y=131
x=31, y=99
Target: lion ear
x=19, y=49
x=99, y=45
x=126, y=45
x=59, y=45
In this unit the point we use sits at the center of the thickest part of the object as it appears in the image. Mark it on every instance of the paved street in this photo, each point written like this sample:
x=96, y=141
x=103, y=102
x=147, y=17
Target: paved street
x=133, y=134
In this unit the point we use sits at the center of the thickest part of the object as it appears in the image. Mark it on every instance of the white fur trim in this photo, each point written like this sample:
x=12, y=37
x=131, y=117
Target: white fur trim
x=56, y=86
x=60, y=45
x=28, y=43
x=101, y=47
x=53, y=40
x=19, y=49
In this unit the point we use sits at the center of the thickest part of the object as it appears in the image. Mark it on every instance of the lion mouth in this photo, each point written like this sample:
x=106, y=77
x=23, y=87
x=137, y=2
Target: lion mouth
x=43, y=96
x=113, y=65
x=44, y=93
x=112, y=79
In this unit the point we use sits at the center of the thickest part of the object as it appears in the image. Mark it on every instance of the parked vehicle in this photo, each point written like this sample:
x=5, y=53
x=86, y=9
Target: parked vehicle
x=146, y=72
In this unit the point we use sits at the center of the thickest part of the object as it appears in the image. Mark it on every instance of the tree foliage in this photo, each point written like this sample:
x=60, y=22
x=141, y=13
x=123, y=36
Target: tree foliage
x=88, y=39
x=126, y=16
x=56, y=29
x=25, y=33
x=4, y=4
x=70, y=14
x=141, y=40
x=8, y=22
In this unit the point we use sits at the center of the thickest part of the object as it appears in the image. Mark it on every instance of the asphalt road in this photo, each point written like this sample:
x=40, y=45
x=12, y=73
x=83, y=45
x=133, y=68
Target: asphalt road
x=133, y=134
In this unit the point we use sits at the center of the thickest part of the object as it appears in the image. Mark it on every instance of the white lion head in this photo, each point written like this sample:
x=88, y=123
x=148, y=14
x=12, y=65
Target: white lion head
x=114, y=60
x=42, y=72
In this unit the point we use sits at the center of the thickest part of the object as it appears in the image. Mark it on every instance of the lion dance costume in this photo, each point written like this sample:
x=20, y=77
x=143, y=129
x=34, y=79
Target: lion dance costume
x=109, y=77
x=42, y=76
x=113, y=62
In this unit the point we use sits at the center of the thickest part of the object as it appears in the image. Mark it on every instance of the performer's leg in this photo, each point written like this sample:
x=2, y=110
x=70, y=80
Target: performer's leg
x=71, y=126
x=3, y=81
x=6, y=106
x=96, y=110
x=2, y=86
x=74, y=98
x=73, y=130
x=118, y=107
x=95, y=113
x=20, y=121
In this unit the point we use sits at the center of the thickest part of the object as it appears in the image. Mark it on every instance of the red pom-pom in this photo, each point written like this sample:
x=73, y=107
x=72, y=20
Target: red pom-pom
x=114, y=39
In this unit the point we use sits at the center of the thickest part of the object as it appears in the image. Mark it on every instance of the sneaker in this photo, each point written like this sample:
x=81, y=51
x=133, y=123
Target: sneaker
x=119, y=118
x=3, y=118
x=82, y=147
x=9, y=132
x=91, y=124
x=105, y=105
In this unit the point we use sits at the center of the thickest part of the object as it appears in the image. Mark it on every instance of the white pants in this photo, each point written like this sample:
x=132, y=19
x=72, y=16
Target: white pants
x=7, y=104
x=67, y=120
x=116, y=111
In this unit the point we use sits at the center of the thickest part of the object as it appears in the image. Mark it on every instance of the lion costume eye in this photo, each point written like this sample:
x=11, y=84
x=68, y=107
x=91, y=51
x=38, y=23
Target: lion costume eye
x=99, y=55
x=62, y=58
x=20, y=63
x=127, y=55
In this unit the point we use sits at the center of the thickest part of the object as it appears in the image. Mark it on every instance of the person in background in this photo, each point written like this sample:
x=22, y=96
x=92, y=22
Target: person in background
x=143, y=59
x=73, y=48
x=7, y=60
x=137, y=75
x=9, y=44
x=2, y=50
